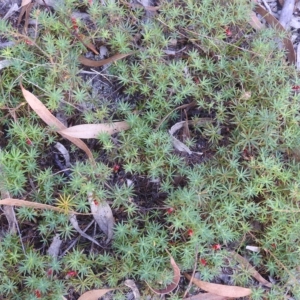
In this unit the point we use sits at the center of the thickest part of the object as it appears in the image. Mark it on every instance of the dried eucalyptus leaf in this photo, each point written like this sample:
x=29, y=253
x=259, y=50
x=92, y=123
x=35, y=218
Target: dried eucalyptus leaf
x=176, y=143
x=103, y=216
x=55, y=246
x=130, y=283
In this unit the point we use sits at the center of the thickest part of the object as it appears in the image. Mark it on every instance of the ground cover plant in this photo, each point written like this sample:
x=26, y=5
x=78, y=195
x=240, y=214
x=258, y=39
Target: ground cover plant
x=237, y=185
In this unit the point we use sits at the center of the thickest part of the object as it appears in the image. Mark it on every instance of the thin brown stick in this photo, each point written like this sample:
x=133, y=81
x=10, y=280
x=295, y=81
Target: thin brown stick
x=194, y=103
x=193, y=274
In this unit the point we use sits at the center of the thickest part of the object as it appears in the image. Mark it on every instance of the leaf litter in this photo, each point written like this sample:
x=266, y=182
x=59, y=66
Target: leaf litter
x=103, y=215
x=176, y=277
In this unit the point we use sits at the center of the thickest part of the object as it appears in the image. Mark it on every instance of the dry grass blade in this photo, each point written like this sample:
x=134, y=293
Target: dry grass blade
x=219, y=289
x=251, y=269
x=8, y=210
x=189, y=105
x=94, y=294
x=11, y=11
x=175, y=282
x=275, y=23
x=75, y=224
x=24, y=203
x=50, y=120
x=99, y=63
x=5, y=63
x=91, y=131
x=26, y=9
x=11, y=219
x=206, y=296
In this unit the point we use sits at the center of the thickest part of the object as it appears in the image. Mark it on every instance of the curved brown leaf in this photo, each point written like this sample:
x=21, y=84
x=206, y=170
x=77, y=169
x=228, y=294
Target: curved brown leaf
x=88, y=44
x=219, y=289
x=275, y=24
x=99, y=63
x=206, y=296
x=175, y=282
x=103, y=215
x=255, y=22
x=130, y=283
x=251, y=269
x=94, y=294
x=50, y=120
x=91, y=131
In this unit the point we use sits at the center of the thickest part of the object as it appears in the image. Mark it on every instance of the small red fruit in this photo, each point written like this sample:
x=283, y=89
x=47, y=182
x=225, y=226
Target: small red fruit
x=28, y=42
x=38, y=293
x=296, y=88
x=203, y=261
x=74, y=24
x=49, y=272
x=116, y=168
x=96, y=202
x=28, y=142
x=216, y=247
x=190, y=232
x=71, y=274
x=228, y=31
x=170, y=210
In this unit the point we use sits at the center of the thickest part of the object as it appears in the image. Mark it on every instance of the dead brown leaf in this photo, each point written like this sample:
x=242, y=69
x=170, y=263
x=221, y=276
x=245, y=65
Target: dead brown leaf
x=255, y=22
x=87, y=43
x=130, y=283
x=26, y=9
x=91, y=131
x=103, y=215
x=243, y=261
x=25, y=2
x=94, y=294
x=175, y=282
x=53, y=122
x=54, y=247
x=219, y=289
x=98, y=63
x=206, y=296
x=275, y=24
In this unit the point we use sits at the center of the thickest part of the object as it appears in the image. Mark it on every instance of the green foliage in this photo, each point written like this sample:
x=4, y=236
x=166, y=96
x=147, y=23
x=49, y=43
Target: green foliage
x=245, y=192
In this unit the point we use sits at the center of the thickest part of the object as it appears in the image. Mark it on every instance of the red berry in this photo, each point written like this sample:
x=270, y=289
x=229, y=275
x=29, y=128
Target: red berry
x=96, y=202
x=28, y=142
x=203, y=261
x=170, y=210
x=71, y=273
x=190, y=232
x=74, y=24
x=216, y=247
x=49, y=272
x=30, y=43
x=296, y=87
x=38, y=293
x=116, y=168
x=228, y=31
